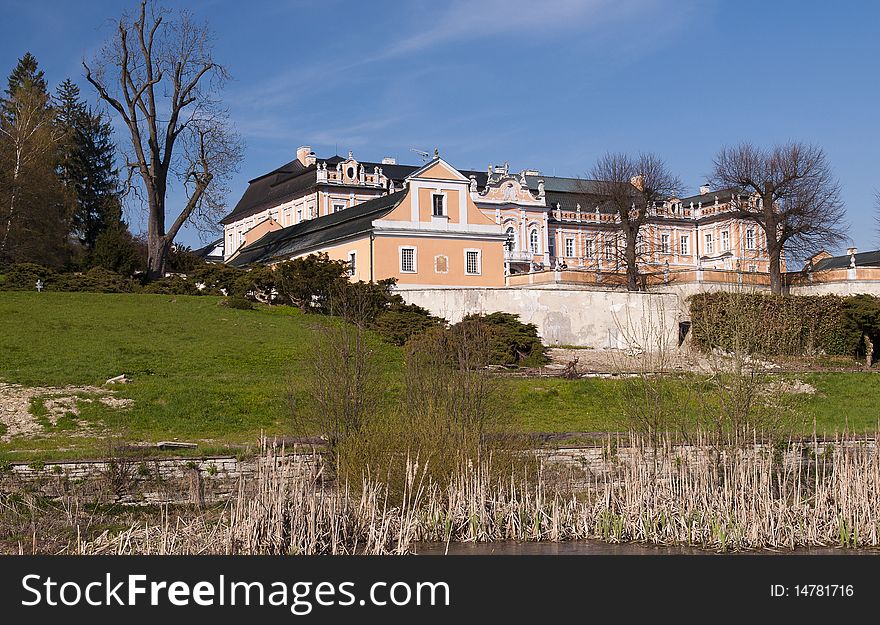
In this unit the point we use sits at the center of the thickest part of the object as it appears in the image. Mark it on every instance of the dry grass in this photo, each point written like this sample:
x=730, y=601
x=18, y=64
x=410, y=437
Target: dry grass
x=740, y=498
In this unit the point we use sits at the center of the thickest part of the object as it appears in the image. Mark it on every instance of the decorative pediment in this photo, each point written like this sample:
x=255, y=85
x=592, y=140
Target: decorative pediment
x=507, y=190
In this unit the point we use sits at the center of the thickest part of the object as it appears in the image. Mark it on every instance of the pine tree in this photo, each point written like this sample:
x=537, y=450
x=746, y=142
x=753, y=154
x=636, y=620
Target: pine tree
x=87, y=166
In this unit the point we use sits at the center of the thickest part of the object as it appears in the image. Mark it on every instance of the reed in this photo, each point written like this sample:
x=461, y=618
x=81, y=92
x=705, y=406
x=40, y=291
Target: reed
x=650, y=490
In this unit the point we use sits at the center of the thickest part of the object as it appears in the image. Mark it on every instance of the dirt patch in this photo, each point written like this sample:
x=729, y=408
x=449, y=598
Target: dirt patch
x=19, y=403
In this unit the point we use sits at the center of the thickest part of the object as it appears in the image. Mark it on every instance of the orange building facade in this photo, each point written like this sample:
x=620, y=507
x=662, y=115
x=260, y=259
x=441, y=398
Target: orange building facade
x=457, y=228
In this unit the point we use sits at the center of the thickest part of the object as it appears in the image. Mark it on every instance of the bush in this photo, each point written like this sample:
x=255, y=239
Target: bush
x=510, y=341
x=784, y=324
x=307, y=282
x=400, y=322
x=24, y=276
x=239, y=303
x=95, y=280
x=172, y=285
x=215, y=279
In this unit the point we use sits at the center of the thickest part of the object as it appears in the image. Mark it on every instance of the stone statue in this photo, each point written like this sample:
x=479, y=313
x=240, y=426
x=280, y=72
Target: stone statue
x=540, y=188
x=852, y=261
x=473, y=187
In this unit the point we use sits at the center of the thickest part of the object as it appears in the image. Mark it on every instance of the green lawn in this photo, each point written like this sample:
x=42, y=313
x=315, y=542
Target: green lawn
x=843, y=400
x=219, y=376
x=199, y=371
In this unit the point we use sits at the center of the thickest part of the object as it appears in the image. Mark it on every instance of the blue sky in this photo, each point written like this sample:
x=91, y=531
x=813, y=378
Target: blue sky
x=550, y=85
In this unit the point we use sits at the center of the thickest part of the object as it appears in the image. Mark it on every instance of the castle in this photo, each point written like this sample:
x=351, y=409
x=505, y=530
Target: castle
x=438, y=226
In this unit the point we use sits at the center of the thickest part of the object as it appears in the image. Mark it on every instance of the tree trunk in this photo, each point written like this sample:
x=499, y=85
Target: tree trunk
x=157, y=252
x=775, y=270
x=632, y=267
x=157, y=243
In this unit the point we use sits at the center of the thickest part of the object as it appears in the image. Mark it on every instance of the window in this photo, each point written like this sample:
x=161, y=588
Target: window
x=750, y=239
x=472, y=262
x=725, y=241
x=664, y=243
x=437, y=203
x=753, y=268
x=350, y=172
x=338, y=207
x=352, y=258
x=710, y=245
x=640, y=245
x=533, y=242
x=299, y=215
x=685, y=245
x=408, y=260
x=569, y=247
x=609, y=250
x=591, y=248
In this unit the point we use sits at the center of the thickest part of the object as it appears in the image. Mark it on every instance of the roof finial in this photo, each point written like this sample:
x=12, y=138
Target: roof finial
x=436, y=153
x=350, y=155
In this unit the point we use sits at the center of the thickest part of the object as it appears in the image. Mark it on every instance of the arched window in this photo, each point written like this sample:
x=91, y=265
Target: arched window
x=533, y=242
x=511, y=238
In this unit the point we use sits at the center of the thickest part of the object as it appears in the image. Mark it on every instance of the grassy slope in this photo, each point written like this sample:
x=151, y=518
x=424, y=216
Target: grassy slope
x=204, y=372
x=200, y=371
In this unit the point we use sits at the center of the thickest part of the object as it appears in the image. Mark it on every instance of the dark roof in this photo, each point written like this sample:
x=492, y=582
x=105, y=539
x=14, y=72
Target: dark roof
x=205, y=252
x=273, y=188
x=287, y=181
x=863, y=259
x=563, y=185
x=292, y=240
x=723, y=195
x=569, y=202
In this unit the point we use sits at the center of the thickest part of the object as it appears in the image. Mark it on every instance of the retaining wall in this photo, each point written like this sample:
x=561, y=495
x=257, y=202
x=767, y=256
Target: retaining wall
x=597, y=318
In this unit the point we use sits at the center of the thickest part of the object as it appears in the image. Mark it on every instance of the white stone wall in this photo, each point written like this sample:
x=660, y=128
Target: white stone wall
x=595, y=318
x=853, y=287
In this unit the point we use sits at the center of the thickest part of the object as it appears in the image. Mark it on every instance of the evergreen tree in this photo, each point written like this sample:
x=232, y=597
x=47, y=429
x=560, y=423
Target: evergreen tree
x=34, y=206
x=87, y=166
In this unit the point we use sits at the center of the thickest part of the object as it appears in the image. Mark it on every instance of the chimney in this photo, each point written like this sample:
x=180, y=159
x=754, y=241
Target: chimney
x=389, y=160
x=305, y=155
x=704, y=189
x=851, y=251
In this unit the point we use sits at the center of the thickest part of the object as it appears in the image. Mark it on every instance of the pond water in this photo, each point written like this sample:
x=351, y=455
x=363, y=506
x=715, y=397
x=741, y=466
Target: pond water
x=598, y=547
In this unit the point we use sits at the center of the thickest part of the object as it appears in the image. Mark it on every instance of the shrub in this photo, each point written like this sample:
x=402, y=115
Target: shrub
x=215, y=279
x=96, y=280
x=239, y=303
x=510, y=341
x=784, y=324
x=400, y=321
x=24, y=276
x=251, y=283
x=307, y=282
x=172, y=285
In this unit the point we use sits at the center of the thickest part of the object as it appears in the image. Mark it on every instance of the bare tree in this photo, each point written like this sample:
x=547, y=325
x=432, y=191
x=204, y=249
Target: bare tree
x=793, y=197
x=877, y=212
x=631, y=187
x=158, y=73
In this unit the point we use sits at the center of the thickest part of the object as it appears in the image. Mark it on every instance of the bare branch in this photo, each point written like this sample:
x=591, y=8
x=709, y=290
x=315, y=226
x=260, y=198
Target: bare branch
x=169, y=72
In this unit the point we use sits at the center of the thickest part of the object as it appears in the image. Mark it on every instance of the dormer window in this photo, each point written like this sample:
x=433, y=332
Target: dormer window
x=350, y=172
x=438, y=204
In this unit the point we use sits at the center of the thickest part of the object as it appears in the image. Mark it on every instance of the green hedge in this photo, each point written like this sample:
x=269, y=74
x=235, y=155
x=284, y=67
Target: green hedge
x=784, y=324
